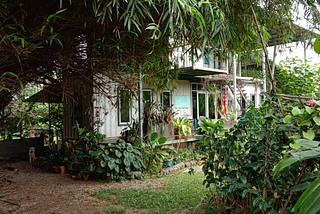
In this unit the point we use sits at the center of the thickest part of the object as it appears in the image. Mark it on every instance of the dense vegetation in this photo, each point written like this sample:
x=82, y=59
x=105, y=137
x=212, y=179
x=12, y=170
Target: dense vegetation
x=266, y=161
x=52, y=43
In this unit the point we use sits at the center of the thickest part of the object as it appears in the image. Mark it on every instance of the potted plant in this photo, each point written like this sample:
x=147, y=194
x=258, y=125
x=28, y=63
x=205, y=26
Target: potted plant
x=84, y=175
x=182, y=127
x=69, y=161
x=53, y=160
x=130, y=133
x=167, y=161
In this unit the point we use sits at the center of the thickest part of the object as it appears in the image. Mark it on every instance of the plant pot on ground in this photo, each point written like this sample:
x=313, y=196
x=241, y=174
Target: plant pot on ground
x=167, y=163
x=85, y=177
x=176, y=160
x=56, y=169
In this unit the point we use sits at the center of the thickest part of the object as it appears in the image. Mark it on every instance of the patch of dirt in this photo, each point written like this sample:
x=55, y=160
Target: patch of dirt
x=39, y=192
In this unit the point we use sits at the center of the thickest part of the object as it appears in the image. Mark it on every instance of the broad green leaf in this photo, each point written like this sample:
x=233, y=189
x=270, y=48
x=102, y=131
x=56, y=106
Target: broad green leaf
x=317, y=102
x=316, y=45
x=126, y=161
x=154, y=136
x=103, y=164
x=307, y=143
x=91, y=167
x=299, y=187
x=128, y=169
x=287, y=118
x=136, y=165
x=296, y=111
x=310, y=175
x=284, y=163
x=294, y=146
x=254, y=165
x=243, y=179
x=308, y=109
x=116, y=167
x=162, y=140
x=310, y=135
x=111, y=164
x=308, y=203
x=118, y=153
x=295, y=136
x=130, y=148
x=317, y=120
x=303, y=155
x=309, y=123
x=286, y=127
x=125, y=153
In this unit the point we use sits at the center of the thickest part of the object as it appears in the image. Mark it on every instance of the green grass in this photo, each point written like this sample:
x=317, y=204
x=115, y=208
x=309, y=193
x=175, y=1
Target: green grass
x=113, y=210
x=178, y=193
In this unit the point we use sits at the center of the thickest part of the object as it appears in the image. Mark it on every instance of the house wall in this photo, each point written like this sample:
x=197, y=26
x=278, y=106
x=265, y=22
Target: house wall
x=250, y=93
x=107, y=113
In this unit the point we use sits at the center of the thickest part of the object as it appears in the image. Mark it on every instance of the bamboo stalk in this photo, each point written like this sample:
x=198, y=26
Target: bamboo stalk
x=264, y=48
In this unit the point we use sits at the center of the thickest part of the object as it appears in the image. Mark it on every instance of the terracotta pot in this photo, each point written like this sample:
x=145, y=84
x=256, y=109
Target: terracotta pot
x=62, y=169
x=56, y=169
x=70, y=167
x=85, y=177
x=179, y=137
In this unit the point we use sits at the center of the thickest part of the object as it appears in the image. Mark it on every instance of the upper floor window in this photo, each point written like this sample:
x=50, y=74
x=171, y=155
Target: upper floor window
x=210, y=60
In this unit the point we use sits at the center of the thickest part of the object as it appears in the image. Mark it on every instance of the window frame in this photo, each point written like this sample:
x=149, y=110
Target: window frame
x=170, y=99
x=120, y=123
x=151, y=94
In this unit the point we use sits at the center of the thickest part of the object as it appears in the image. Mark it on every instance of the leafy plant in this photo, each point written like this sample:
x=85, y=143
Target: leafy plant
x=52, y=158
x=297, y=77
x=131, y=133
x=240, y=162
x=182, y=126
x=155, y=152
x=230, y=117
x=304, y=148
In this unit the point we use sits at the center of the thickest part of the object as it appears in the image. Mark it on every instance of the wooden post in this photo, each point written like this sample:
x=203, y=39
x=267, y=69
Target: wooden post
x=141, y=104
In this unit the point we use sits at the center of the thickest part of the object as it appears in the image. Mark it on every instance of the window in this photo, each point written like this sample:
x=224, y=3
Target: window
x=166, y=99
x=202, y=102
x=147, y=95
x=124, y=107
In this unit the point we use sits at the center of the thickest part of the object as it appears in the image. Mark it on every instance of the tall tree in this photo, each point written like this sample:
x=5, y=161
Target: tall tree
x=45, y=41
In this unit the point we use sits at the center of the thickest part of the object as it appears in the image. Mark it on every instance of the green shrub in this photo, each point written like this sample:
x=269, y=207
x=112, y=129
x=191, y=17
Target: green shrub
x=240, y=161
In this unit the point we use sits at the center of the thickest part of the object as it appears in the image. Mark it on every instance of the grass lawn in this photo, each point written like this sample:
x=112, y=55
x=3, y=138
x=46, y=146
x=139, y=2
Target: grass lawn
x=175, y=193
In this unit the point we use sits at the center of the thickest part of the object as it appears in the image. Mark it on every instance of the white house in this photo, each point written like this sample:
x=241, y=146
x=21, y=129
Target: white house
x=190, y=99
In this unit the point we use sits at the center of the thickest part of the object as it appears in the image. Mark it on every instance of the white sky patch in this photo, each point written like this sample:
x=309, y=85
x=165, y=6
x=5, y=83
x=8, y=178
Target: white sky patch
x=296, y=49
